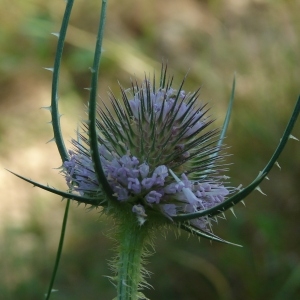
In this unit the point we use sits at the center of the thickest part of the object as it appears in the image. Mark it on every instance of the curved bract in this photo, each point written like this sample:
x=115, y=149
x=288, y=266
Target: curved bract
x=55, y=119
x=64, y=195
x=246, y=191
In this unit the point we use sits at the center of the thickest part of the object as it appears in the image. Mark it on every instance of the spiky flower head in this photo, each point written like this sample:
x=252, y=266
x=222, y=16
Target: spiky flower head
x=157, y=154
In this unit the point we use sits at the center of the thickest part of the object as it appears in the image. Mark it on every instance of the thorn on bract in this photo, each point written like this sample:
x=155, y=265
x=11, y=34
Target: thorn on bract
x=52, y=140
x=49, y=69
x=231, y=209
x=259, y=189
x=52, y=291
x=243, y=203
x=55, y=34
x=259, y=174
x=277, y=164
x=293, y=138
x=49, y=108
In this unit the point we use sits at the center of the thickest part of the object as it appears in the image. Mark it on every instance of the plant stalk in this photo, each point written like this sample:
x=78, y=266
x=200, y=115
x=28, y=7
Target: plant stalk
x=132, y=239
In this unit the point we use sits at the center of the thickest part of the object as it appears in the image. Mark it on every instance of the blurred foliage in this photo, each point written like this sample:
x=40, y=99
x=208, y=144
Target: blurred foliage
x=209, y=39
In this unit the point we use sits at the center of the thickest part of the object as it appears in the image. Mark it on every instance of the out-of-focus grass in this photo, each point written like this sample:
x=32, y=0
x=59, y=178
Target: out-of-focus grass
x=259, y=40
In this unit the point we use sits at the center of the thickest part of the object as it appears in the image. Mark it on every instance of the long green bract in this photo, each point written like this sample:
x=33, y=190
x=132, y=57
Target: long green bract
x=246, y=191
x=228, y=114
x=225, y=125
x=66, y=195
x=93, y=138
x=55, y=80
x=205, y=234
x=55, y=116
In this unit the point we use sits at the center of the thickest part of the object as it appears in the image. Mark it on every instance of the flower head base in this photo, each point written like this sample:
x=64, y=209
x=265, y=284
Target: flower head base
x=154, y=134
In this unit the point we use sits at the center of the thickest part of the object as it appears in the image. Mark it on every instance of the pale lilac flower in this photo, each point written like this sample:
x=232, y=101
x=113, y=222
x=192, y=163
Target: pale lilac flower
x=158, y=136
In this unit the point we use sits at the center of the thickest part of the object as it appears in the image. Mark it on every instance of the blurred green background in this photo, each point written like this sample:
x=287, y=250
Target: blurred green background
x=212, y=39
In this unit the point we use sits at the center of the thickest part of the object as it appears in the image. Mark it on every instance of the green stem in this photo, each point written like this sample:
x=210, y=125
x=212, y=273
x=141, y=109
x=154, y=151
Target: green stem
x=132, y=240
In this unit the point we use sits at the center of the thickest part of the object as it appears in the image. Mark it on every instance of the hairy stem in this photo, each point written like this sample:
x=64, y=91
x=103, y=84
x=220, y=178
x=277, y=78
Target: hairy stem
x=132, y=239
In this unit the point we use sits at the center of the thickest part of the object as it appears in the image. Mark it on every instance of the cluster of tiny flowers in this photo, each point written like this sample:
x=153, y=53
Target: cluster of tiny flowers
x=135, y=179
x=163, y=103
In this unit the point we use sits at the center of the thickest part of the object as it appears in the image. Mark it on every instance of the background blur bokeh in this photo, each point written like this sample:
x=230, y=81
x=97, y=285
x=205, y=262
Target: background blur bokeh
x=212, y=39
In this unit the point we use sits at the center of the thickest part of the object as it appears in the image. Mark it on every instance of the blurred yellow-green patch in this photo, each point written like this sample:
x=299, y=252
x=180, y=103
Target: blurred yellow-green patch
x=211, y=40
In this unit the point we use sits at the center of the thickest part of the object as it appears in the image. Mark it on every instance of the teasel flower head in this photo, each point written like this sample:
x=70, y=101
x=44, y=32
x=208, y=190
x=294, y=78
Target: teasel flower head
x=157, y=152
